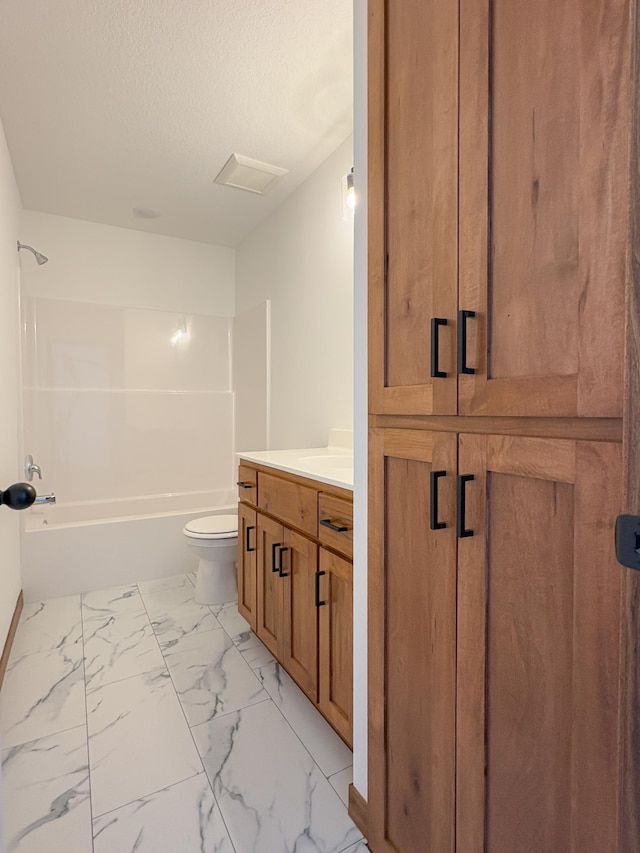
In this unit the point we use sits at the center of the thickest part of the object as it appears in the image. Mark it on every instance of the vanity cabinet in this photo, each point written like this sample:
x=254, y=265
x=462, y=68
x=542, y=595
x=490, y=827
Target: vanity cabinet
x=503, y=635
x=302, y=601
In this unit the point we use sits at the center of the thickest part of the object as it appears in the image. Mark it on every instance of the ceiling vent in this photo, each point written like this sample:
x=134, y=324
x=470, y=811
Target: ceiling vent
x=247, y=174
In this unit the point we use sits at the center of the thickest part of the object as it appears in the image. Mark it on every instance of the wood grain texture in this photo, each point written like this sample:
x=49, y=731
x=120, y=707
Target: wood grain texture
x=335, y=646
x=585, y=429
x=409, y=444
x=629, y=802
x=13, y=627
x=543, y=214
x=538, y=703
x=358, y=810
x=294, y=504
x=412, y=662
x=300, y=615
x=412, y=208
x=269, y=585
x=540, y=458
x=339, y=512
x=248, y=564
x=248, y=475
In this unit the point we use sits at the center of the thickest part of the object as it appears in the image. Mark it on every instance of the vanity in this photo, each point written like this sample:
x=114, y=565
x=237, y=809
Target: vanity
x=295, y=551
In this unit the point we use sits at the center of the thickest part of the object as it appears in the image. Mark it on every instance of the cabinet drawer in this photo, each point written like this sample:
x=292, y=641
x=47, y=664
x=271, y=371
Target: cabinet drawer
x=247, y=484
x=335, y=523
x=292, y=503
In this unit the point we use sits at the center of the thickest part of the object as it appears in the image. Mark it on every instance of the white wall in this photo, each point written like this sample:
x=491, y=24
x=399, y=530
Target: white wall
x=360, y=405
x=301, y=259
x=89, y=262
x=10, y=210
x=252, y=377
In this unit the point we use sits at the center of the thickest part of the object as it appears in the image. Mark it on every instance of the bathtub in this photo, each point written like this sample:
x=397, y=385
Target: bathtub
x=72, y=548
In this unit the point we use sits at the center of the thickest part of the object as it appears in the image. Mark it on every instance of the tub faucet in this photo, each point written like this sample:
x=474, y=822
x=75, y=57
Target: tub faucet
x=30, y=468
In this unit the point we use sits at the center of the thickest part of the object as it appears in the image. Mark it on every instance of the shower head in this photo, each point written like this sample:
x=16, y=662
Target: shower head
x=40, y=258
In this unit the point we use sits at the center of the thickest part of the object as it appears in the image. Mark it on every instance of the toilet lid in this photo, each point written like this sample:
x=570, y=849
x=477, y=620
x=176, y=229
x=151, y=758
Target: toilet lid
x=214, y=525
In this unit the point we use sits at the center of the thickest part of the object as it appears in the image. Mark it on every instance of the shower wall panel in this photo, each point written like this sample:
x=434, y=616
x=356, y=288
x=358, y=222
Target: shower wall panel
x=126, y=402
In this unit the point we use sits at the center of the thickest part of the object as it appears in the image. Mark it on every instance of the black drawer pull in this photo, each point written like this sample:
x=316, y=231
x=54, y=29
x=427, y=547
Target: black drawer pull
x=318, y=602
x=339, y=528
x=461, y=529
x=249, y=548
x=463, y=316
x=274, y=548
x=282, y=574
x=434, y=476
x=436, y=322
x=244, y=485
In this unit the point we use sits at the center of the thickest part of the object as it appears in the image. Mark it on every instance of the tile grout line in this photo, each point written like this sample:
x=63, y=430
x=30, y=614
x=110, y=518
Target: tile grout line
x=204, y=769
x=322, y=773
x=86, y=721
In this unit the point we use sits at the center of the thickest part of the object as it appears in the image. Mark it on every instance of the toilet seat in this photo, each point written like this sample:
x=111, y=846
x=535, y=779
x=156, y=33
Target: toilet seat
x=212, y=527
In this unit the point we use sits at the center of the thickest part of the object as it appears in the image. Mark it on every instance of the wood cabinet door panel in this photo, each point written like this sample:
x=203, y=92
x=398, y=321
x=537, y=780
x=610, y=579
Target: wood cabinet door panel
x=294, y=503
x=335, y=523
x=537, y=700
x=270, y=584
x=412, y=625
x=247, y=484
x=247, y=564
x=300, y=623
x=544, y=123
x=413, y=125
x=335, y=659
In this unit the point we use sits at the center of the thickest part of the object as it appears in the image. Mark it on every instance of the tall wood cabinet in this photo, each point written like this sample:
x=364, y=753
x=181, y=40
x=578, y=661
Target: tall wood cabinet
x=500, y=625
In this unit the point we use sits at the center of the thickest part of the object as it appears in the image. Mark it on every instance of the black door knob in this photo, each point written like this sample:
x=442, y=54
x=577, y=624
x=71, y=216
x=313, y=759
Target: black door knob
x=18, y=496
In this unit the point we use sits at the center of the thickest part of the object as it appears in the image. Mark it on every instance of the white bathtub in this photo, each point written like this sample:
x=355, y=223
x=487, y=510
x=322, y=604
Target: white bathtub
x=72, y=548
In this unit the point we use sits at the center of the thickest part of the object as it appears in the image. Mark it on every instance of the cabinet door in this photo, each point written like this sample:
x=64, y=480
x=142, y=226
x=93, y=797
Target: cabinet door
x=538, y=647
x=335, y=631
x=412, y=641
x=544, y=165
x=412, y=205
x=247, y=564
x=300, y=623
x=269, y=598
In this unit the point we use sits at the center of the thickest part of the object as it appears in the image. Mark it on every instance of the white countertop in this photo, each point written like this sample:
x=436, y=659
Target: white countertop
x=332, y=465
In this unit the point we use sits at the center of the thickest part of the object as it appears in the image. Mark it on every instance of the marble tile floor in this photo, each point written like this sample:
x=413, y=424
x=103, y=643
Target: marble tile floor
x=135, y=719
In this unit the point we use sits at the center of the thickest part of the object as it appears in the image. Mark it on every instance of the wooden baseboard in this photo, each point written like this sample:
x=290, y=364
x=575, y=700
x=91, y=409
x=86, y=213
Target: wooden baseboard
x=4, y=660
x=358, y=809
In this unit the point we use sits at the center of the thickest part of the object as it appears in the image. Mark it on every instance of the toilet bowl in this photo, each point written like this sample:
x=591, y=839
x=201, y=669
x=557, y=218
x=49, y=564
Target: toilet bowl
x=213, y=539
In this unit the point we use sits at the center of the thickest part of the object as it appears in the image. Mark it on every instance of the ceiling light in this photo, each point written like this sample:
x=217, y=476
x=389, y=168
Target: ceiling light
x=243, y=173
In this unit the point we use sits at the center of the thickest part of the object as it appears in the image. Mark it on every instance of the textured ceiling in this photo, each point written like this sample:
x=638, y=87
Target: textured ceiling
x=114, y=104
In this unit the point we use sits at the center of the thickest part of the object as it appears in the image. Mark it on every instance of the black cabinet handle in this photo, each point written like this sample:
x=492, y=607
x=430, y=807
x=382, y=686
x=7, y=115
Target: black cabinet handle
x=461, y=529
x=339, y=528
x=318, y=602
x=244, y=485
x=274, y=548
x=433, y=506
x=282, y=574
x=463, y=316
x=249, y=548
x=436, y=322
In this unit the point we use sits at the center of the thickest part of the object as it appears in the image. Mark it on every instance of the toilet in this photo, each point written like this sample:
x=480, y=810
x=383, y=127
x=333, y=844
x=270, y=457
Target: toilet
x=214, y=538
